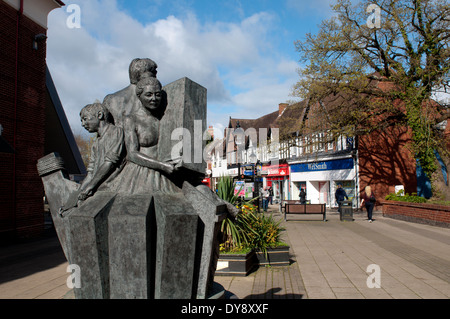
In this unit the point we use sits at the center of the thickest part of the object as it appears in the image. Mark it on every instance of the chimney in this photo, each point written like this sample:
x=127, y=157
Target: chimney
x=282, y=107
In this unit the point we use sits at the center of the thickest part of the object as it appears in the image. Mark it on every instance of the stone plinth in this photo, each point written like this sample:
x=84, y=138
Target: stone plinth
x=185, y=116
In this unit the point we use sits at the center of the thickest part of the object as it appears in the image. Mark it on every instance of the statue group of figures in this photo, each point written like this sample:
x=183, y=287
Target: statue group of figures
x=141, y=224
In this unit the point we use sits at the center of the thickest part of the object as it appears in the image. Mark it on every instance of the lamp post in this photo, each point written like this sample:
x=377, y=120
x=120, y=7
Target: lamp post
x=239, y=139
x=255, y=163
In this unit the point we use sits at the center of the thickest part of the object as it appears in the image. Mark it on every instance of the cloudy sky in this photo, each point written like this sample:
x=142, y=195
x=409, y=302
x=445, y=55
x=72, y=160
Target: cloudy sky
x=242, y=51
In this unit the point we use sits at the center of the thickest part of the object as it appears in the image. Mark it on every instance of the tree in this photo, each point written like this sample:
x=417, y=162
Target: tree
x=384, y=73
x=84, y=144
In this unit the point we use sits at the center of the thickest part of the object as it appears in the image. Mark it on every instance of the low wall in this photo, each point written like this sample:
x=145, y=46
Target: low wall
x=431, y=214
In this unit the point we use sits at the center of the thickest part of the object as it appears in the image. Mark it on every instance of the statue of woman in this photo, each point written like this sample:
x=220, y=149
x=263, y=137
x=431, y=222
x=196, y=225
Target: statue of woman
x=143, y=173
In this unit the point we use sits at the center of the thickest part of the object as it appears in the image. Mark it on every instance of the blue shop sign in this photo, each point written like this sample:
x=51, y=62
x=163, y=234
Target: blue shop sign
x=346, y=163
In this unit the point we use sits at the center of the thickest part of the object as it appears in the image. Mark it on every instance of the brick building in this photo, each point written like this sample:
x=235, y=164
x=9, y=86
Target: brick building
x=319, y=160
x=30, y=111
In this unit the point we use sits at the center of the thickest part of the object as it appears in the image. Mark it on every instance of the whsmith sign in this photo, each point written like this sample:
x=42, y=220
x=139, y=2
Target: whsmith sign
x=346, y=163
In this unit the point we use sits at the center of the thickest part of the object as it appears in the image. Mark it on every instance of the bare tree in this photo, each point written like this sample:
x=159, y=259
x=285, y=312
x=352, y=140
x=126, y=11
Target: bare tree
x=84, y=144
x=373, y=75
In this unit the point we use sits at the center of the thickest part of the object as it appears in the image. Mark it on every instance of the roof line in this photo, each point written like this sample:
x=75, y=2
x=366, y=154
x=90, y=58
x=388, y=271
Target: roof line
x=63, y=120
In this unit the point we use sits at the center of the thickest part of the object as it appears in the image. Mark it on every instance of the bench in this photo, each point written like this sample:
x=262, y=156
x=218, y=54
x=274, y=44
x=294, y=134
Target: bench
x=294, y=207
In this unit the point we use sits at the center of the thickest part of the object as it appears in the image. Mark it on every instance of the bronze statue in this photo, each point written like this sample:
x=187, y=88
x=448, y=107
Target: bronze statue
x=141, y=225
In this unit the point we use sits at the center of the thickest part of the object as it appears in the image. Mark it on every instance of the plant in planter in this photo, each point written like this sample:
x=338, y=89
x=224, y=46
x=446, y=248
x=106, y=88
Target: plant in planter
x=250, y=233
x=231, y=237
x=236, y=257
x=264, y=236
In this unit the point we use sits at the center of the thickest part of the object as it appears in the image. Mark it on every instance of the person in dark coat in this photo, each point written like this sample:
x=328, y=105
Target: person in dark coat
x=340, y=196
x=302, y=196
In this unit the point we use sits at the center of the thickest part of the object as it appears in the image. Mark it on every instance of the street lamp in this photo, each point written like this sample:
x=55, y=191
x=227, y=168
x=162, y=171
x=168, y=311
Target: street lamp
x=255, y=163
x=239, y=139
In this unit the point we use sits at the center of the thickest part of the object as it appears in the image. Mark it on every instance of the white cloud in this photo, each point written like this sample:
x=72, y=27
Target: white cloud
x=91, y=62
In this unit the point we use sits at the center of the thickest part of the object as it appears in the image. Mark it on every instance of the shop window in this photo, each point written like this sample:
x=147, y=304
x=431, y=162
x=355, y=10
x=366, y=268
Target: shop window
x=349, y=187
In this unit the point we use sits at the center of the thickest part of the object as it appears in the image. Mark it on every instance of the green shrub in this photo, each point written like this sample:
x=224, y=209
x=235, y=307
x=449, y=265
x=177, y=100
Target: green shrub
x=263, y=232
x=413, y=198
x=250, y=229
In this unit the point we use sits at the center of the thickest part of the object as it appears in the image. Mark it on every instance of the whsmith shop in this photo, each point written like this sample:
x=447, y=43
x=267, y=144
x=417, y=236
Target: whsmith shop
x=320, y=179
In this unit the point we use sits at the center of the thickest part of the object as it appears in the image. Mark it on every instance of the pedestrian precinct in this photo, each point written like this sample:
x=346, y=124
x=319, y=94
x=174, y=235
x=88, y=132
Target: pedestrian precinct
x=368, y=199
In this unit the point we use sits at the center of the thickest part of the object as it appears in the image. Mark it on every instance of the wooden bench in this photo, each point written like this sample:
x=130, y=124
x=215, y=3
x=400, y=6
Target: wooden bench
x=294, y=207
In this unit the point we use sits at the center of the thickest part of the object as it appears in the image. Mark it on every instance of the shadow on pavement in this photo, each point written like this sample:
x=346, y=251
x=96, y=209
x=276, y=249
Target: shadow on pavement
x=19, y=260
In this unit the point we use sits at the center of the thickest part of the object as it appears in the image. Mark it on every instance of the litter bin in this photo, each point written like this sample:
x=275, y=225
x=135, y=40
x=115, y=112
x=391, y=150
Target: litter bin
x=346, y=211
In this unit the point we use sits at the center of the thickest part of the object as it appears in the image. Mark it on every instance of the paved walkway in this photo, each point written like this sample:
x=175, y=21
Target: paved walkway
x=329, y=261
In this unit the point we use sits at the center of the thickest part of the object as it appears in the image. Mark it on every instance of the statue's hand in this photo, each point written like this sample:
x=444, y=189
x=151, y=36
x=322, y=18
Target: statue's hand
x=178, y=164
x=175, y=165
x=168, y=168
x=85, y=194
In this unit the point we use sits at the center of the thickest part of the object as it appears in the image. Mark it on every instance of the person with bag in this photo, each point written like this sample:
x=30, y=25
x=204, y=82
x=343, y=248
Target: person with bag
x=369, y=200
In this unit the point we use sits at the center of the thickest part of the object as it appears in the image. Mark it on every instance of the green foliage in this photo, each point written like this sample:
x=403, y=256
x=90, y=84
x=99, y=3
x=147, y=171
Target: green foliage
x=231, y=235
x=423, y=136
x=413, y=198
x=262, y=231
x=225, y=188
x=238, y=250
x=250, y=229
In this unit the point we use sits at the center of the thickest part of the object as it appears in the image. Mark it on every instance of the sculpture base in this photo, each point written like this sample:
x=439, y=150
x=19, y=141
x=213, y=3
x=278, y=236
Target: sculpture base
x=218, y=292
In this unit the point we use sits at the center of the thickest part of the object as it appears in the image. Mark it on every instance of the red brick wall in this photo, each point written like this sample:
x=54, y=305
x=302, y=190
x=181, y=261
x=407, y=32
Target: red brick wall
x=432, y=214
x=21, y=212
x=385, y=160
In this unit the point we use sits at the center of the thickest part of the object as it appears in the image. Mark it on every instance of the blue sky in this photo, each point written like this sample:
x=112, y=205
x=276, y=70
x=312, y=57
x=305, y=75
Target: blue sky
x=242, y=51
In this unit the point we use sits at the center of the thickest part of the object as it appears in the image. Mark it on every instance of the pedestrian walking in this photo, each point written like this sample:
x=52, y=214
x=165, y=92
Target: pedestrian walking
x=368, y=199
x=340, y=195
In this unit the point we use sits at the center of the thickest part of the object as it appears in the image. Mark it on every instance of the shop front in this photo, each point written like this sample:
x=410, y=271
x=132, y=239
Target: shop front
x=278, y=178
x=320, y=180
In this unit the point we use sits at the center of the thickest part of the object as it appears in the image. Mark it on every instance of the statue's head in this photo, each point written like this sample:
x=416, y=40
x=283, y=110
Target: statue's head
x=150, y=93
x=140, y=68
x=92, y=114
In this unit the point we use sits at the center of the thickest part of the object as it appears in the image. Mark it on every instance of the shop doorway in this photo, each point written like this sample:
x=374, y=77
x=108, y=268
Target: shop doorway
x=280, y=188
x=277, y=191
x=323, y=192
x=296, y=187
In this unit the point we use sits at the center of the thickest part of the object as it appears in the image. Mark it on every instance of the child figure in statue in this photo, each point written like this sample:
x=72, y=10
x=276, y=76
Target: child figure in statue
x=107, y=150
x=107, y=154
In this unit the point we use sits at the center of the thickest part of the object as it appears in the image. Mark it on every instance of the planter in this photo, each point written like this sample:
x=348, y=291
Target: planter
x=278, y=256
x=236, y=264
